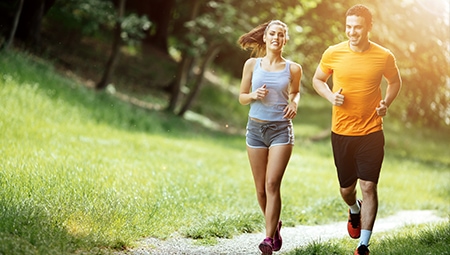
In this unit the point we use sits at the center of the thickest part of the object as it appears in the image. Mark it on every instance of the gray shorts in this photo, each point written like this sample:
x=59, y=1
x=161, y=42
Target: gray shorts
x=268, y=134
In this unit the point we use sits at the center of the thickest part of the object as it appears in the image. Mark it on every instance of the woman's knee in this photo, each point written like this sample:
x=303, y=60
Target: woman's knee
x=261, y=193
x=273, y=186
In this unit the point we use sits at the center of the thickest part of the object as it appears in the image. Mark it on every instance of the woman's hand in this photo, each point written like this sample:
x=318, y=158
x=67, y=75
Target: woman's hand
x=290, y=111
x=260, y=93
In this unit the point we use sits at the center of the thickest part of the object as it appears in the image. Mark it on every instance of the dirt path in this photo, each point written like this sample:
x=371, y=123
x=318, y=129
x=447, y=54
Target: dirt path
x=293, y=237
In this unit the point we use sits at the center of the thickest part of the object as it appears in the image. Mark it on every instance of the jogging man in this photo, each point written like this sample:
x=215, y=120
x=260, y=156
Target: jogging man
x=357, y=137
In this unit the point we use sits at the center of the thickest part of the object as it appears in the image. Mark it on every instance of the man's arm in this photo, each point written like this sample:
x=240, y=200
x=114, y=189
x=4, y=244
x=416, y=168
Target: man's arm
x=392, y=90
x=321, y=87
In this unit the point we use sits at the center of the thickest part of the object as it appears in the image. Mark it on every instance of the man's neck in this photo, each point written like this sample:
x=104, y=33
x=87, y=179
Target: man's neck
x=361, y=47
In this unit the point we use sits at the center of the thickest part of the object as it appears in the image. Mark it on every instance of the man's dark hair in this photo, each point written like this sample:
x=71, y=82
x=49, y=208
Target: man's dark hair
x=361, y=11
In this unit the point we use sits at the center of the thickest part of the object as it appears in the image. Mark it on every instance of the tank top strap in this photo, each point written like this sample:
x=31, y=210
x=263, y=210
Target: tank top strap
x=257, y=64
x=288, y=65
x=286, y=68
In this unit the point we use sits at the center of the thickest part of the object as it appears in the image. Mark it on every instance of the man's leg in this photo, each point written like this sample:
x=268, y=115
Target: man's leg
x=369, y=210
x=349, y=194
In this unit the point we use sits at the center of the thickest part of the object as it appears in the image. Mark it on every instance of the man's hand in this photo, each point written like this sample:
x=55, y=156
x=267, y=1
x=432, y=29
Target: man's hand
x=338, y=98
x=382, y=109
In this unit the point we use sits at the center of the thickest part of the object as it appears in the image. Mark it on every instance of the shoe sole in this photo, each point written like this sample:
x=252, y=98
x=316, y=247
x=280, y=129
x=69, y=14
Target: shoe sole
x=265, y=249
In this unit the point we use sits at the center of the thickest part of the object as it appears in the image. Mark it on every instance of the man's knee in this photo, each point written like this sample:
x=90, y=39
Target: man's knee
x=368, y=187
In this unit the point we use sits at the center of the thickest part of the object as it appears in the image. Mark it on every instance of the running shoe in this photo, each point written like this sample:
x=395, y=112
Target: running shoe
x=266, y=246
x=277, y=241
x=354, y=223
x=362, y=250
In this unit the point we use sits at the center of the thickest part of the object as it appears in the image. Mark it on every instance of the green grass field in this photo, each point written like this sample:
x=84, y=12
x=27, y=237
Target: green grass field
x=85, y=173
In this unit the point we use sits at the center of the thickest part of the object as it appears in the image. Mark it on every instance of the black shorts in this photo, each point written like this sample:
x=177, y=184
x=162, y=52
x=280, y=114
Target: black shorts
x=358, y=157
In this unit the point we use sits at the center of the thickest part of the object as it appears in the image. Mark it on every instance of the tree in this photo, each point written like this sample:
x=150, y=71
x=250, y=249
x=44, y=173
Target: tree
x=10, y=40
x=210, y=26
x=21, y=19
x=186, y=61
x=95, y=16
x=160, y=13
x=29, y=26
x=421, y=45
x=209, y=57
x=161, y=16
x=418, y=34
x=113, y=58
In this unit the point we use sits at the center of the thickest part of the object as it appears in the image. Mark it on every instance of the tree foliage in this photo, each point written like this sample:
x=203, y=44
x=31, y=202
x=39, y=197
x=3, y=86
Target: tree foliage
x=206, y=28
x=90, y=17
x=418, y=32
x=198, y=33
x=420, y=44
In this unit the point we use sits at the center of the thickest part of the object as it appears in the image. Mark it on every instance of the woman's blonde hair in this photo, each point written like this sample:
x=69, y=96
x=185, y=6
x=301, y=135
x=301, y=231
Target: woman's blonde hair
x=254, y=39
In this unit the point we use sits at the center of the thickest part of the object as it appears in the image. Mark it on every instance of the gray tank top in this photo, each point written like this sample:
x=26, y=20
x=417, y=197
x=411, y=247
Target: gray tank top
x=271, y=107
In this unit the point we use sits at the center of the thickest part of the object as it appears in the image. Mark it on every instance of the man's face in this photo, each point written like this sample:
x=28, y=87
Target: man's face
x=357, y=30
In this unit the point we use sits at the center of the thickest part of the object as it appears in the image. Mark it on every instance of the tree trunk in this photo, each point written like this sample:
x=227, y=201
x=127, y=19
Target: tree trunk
x=211, y=53
x=180, y=80
x=10, y=40
x=29, y=26
x=113, y=58
x=184, y=66
x=161, y=15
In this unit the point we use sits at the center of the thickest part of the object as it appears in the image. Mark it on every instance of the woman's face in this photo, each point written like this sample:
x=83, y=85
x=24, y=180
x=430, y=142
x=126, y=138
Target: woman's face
x=275, y=37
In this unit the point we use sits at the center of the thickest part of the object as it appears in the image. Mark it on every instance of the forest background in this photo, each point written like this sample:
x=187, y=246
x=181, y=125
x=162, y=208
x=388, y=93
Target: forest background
x=195, y=38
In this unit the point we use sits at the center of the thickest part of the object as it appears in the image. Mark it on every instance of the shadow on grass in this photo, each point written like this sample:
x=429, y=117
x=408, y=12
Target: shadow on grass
x=28, y=229
x=102, y=107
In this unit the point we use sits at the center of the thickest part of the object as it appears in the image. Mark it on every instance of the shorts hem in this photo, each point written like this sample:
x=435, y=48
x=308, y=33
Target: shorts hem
x=267, y=147
x=257, y=147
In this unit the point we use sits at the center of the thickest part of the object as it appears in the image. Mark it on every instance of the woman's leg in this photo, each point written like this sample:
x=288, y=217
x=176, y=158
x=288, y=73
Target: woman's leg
x=258, y=163
x=278, y=158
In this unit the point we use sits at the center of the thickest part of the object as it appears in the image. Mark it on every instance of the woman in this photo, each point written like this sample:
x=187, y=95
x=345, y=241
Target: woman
x=271, y=85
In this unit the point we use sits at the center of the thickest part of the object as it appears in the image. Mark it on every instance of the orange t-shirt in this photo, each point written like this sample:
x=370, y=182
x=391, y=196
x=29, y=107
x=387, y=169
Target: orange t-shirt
x=359, y=75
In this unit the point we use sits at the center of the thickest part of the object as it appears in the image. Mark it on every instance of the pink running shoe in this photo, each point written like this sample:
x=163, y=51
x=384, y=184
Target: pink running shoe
x=277, y=241
x=266, y=246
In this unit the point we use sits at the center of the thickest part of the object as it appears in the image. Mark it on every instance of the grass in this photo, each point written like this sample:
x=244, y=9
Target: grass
x=414, y=239
x=84, y=173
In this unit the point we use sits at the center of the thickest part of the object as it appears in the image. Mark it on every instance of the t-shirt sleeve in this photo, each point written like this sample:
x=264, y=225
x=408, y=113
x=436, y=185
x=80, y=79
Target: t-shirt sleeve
x=391, y=69
x=325, y=62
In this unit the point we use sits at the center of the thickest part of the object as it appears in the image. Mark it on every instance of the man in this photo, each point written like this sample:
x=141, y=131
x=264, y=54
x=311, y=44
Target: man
x=357, y=137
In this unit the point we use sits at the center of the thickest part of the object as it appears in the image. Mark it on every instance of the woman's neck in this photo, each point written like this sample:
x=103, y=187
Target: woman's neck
x=272, y=57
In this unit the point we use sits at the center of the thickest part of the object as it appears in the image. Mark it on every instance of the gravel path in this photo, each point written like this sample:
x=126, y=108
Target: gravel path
x=293, y=237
